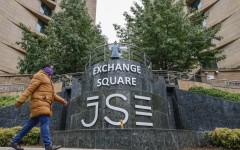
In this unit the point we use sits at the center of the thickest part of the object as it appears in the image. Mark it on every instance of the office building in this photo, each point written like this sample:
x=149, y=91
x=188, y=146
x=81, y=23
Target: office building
x=226, y=12
x=32, y=13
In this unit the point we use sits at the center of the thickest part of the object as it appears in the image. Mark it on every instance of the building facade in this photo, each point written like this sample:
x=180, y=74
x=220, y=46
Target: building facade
x=32, y=13
x=226, y=12
x=225, y=73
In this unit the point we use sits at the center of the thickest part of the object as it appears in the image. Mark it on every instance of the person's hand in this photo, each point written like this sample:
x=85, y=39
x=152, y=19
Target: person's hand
x=18, y=104
x=65, y=103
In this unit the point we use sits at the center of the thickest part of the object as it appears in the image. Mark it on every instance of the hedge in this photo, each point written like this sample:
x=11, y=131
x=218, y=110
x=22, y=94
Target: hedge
x=6, y=134
x=224, y=137
x=8, y=100
x=216, y=93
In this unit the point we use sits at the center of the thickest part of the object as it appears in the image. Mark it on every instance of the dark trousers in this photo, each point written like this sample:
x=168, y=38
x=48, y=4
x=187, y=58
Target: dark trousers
x=44, y=128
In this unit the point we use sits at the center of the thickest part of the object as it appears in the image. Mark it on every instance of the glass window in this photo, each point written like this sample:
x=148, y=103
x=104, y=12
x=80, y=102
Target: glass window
x=45, y=10
x=196, y=4
x=40, y=26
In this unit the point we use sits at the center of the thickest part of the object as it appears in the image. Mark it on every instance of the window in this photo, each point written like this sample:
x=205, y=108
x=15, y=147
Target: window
x=196, y=4
x=45, y=10
x=40, y=26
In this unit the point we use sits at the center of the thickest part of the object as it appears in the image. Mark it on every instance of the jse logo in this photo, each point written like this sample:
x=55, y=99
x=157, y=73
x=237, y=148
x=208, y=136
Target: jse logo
x=140, y=110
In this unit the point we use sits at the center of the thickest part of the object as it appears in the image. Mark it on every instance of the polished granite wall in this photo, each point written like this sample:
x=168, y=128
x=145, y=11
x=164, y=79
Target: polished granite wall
x=132, y=139
x=203, y=113
x=11, y=116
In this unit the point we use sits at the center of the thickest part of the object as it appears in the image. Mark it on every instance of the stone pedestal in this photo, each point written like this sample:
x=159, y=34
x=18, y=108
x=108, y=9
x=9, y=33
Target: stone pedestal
x=118, y=90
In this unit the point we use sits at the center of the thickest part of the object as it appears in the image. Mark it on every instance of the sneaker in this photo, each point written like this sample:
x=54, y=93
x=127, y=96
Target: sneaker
x=53, y=147
x=16, y=146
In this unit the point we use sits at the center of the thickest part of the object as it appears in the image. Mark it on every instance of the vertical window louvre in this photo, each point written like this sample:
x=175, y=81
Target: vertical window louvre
x=40, y=26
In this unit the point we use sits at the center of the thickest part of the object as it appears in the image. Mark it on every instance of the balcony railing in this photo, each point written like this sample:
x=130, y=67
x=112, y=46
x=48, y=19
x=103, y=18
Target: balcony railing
x=171, y=77
x=128, y=52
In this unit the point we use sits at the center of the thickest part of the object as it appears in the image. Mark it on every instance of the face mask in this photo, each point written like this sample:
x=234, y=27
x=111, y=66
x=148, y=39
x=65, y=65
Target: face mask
x=49, y=71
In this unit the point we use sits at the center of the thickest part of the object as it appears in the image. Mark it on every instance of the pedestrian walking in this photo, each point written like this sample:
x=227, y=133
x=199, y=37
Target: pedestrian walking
x=42, y=95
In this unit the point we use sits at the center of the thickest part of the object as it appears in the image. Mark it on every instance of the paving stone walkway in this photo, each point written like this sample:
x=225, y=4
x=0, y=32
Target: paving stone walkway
x=33, y=148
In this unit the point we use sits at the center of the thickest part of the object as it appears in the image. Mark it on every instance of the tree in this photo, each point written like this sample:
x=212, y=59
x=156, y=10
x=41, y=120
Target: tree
x=173, y=40
x=35, y=47
x=69, y=38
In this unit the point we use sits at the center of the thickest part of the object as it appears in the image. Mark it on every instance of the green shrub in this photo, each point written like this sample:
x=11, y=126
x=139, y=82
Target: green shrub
x=8, y=100
x=224, y=137
x=32, y=138
x=6, y=134
x=216, y=93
